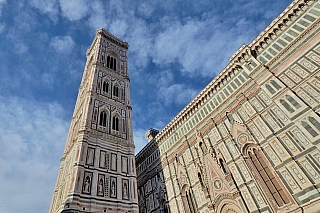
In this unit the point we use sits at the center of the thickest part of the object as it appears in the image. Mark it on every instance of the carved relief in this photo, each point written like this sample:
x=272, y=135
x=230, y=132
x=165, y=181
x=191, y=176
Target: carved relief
x=304, y=62
x=90, y=156
x=264, y=98
x=100, y=185
x=87, y=181
x=102, y=163
x=314, y=57
x=257, y=104
x=113, y=162
x=125, y=189
x=124, y=162
x=113, y=187
x=299, y=136
x=299, y=70
x=309, y=168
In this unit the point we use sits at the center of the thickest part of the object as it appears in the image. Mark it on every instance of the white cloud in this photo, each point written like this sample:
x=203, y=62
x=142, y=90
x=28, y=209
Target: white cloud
x=49, y=7
x=145, y=9
x=74, y=10
x=97, y=15
x=18, y=44
x=177, y=93
x=118, y=28
x=32, y=136
x=141, y=42
x=2, y=2
x=20, y=47
x=2, y=26
x=63, y=44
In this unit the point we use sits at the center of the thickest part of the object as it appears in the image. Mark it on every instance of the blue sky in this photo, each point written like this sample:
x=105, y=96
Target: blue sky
x=175, y=49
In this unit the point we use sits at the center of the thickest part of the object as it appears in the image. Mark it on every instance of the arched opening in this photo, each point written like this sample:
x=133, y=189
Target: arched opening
x=270, y=89
x=267, y=176
x=115, y=123
x=286, y=105
x=115, y=91
x=103, y=119
x=112, y=63
x=223, y=166
x=105, y=87
x=188, y=200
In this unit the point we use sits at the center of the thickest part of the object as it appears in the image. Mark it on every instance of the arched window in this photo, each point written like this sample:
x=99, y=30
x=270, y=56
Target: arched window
x=203, y=147
x=115, y=91
x=115, y=123
x=108, y=61
x=188, y=201
x=105, y=87
x=270, y=89
x=275, y=84
x=293, y=102
x=112, y=63
x=268, y=177
x=200, y=178
x=309, y=129
x=314, y=122
x=223, y=166
x=103, y=119
x=286, y=105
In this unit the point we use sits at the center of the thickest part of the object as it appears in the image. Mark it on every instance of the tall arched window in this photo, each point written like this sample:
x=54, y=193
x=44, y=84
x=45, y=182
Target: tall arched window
x=188, y=201
x=112, y=63
x=103, y=119
x=115, y=91
x=268, y=178
x=275, y=84
x=314, y=122
x=309, y=129
x=270, y=89
x=293, y=102
x=286, y=105
x=223, y=166
x=200, y=178
x=105, y=87
x=115, y=123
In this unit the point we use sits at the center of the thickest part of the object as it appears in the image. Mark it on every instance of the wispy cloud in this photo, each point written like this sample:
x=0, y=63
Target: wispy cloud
x=74, y=10
x=177, y=93
x=2, y=27
x=49, y=7
x=32, y=136
x=62, y=44
x=2, y=2
x=175, y=49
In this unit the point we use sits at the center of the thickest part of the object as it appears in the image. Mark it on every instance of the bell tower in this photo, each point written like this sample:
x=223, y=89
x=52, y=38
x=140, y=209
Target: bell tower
x=97, y=171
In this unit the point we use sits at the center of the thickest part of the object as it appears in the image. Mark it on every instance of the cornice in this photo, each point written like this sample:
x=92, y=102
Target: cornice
x=103, y=33
x=146, y=151
x=238, y=59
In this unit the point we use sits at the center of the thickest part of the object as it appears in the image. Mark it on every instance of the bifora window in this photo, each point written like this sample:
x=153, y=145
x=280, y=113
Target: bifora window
x=115, y=123
x=292, y=101
x=103, y=119
x=268, y=177
x=105, y=87
x=112, y=63
x=115, y=91
x=310, y=124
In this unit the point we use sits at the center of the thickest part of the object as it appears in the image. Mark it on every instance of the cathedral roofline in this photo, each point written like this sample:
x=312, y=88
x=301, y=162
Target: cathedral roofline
x=102, y=32
x=279, y=24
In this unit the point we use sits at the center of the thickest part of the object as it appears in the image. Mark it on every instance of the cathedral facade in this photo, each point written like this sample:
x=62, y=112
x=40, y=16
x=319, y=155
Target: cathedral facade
x=250, y=140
